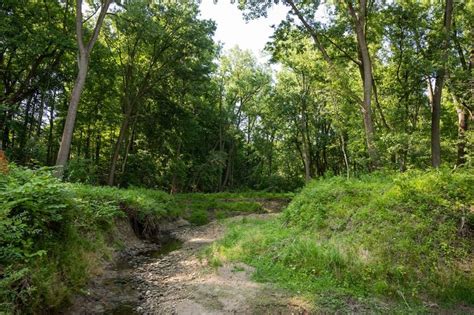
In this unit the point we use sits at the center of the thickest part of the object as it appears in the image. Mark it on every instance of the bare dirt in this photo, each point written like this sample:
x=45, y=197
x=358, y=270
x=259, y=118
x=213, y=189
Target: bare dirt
x=175, y=279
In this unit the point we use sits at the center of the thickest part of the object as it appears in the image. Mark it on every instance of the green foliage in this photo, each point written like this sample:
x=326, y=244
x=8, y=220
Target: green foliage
x=53, y=234
x=199, y=217
x=405, y=238
x=36, y=227
x=145, y=201
x=82, y=171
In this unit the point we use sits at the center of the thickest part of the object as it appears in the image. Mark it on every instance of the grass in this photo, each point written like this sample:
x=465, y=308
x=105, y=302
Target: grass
x=200, y=208
x=384, y=242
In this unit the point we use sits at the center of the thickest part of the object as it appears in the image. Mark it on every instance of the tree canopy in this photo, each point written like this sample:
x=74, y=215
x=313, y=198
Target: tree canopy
x=375, y=85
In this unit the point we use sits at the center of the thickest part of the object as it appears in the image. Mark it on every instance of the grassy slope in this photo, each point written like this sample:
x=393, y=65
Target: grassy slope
x=54, y=236
x=379, y=242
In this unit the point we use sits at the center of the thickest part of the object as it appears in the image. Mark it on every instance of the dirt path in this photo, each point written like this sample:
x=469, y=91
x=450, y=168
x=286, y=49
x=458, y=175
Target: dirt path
x=179, y=282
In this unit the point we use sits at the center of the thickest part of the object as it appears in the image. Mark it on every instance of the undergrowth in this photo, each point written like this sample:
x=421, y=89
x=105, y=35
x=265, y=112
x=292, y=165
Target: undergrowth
x=53, y=236
x=200, y=208
x=380, y=242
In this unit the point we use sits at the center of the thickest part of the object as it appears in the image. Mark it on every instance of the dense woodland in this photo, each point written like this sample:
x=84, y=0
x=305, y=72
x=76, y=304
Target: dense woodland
x=123, y=122
x=153, y=101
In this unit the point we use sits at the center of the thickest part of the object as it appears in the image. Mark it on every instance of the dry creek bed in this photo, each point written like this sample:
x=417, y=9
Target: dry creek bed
x=171, y=278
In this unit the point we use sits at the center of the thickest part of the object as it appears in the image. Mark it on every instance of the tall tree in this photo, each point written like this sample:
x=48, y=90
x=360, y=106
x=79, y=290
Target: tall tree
x=306, y=12
x=439, y=84
x=359, y=19
x=84, y=51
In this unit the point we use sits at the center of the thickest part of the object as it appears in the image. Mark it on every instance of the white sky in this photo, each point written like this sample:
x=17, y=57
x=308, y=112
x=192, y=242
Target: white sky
x=233, y=30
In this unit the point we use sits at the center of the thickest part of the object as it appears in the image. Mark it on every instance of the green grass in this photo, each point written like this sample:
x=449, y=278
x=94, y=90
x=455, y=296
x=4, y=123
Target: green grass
x=200, y=208
x=381, y=242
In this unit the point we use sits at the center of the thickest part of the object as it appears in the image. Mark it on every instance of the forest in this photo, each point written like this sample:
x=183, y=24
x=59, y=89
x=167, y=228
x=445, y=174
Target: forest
x=120, y=118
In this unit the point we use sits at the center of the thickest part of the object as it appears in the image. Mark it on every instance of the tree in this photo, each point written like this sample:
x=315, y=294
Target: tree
x=438, y=90
x=305, y=14
x=84, y=51
x=245, y=84
x=33, y=45
x=157, y=48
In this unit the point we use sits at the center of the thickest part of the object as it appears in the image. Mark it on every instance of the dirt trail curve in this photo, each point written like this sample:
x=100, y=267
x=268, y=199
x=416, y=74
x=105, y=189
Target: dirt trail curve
x=181, y=283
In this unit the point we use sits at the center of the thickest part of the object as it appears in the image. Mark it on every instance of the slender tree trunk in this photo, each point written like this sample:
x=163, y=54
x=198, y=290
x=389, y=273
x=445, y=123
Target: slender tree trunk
x=128, y=144
x=31, y=120
x=366, y=65
x=24, y=129
x=174, y=179
x=346, y=161
x=270, y=156
x=462, y=129
x=83, y=63
x=49, y=157
x=440, y=77
x=118, y=145
x=221, y=138
x=40, y=114
x=66, y=140
x=87, y=146
x=306, y=149
x=98, y=141
x=228, y=172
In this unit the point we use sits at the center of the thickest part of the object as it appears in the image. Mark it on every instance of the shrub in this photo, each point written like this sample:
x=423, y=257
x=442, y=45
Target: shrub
x=36, y=213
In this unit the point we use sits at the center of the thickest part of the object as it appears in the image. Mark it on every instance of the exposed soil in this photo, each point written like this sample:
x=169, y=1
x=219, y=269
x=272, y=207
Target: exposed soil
x=171, y=278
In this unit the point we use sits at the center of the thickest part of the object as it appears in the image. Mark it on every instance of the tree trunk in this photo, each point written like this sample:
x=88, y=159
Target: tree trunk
x=49, y=158
x=366, y=73
x=346, y=161
x=66, y=140
x=367, y=69
x=174, y=179
x=83, y=63
x=228, y=171
x=98, y=141
x=462, y=129
x=440, y=77
x=270, y=156
x=221, y=138
x=306, y=148
x=118, y=145
x=128, y=144
x=40, y=114
x=24, y=129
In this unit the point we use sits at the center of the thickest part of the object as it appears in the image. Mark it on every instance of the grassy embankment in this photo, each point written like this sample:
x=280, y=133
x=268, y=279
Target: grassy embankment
x=399, y=243
x=55, y=236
